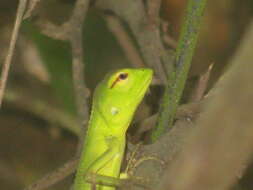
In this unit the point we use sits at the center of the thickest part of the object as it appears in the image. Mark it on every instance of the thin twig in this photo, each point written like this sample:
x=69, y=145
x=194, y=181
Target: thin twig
x=148, y=38
x=168, y=40
x=43, y=110
x=201, y=87
x=154, y=11
x=190, y=110
x=53, y=31
x=124, y=40
x=8, y=59
x=81, y=92
x=30, y=8
x=72, y=32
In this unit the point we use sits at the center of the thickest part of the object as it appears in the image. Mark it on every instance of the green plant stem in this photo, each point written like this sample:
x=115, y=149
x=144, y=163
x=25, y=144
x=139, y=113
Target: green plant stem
x=182, y=60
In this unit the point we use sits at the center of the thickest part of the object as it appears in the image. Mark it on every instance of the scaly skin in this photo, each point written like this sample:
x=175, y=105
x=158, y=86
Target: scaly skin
x=114, y=103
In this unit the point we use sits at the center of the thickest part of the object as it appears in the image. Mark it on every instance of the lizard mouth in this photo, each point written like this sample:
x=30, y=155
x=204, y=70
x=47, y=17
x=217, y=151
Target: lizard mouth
x=143, y=90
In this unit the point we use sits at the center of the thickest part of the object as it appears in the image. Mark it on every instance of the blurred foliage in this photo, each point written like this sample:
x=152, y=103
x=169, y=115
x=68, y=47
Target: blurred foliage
x=56, y=56
x=102, y=54
x=31, y=147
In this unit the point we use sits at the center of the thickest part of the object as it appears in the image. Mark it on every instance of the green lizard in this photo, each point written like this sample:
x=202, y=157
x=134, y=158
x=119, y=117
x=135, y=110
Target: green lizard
x=114, y=103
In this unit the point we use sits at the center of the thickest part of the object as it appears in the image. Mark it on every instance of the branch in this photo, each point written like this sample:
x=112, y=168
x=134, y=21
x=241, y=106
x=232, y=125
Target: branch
x=200, y=89
x=43, y=110
x=75, y=37
x=148, y=38
x=124, y=40
x=30, y=8
x=72, y=31
x=8, y=59
x=183, y=58
x=153, y=7
x=221, y=146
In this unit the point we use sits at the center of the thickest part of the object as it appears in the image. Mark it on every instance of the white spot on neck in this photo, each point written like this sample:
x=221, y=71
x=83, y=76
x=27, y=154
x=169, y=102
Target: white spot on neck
x=114, y=110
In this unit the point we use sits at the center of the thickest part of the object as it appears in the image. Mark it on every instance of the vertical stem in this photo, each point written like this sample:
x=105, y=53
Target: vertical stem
x=8, y=59
x=81, y=92
x=183, y=58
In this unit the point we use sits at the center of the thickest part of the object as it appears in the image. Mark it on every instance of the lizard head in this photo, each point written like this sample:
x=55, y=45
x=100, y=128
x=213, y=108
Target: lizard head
x=119, y=94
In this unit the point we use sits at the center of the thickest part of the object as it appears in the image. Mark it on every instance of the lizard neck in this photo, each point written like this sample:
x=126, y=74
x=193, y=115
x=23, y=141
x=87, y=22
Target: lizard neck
x=99, y=122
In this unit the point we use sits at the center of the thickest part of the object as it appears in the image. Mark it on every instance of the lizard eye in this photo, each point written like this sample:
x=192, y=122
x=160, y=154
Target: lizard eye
x=123, y=76
x=120, y=77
